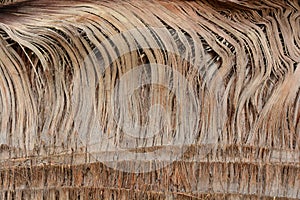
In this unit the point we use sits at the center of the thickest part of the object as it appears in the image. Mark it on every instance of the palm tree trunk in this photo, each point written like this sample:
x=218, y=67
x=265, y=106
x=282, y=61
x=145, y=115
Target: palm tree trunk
x=149, y=99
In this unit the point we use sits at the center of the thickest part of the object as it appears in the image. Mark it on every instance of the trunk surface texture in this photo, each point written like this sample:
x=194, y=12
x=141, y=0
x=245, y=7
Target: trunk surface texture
x=154, y=99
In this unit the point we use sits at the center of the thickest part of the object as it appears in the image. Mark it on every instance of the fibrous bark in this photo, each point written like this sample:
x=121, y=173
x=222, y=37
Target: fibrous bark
x=226, y=74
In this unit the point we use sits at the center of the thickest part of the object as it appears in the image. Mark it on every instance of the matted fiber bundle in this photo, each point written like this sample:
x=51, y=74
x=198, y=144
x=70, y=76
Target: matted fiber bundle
x=149, y=99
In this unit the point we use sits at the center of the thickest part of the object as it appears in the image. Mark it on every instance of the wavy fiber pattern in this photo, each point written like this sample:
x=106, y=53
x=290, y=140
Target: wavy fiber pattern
x=60, y=65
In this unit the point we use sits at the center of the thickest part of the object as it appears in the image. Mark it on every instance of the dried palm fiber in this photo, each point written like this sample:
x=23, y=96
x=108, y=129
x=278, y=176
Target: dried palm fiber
x=50, y=50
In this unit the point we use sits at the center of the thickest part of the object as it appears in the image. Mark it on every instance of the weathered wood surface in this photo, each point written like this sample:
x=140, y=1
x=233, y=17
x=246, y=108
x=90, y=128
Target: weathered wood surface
x=225, y=74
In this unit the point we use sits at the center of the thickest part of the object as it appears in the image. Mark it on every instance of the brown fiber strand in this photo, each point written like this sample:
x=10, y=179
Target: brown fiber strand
x=250, y=48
